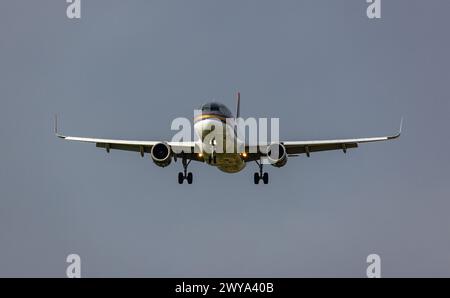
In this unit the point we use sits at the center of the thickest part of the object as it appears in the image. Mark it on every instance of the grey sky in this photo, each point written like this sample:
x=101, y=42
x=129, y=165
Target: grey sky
x=127, y=68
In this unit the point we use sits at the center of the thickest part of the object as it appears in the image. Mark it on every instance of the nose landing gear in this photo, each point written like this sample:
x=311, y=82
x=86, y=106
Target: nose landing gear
x=185, y=175
x=260, y=176
x=212, y=158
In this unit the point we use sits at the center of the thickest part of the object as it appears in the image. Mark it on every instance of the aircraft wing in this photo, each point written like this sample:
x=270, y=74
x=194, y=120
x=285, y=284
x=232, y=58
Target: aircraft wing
x=128, y=145
x=299, y=147
x=131, y=145
x=306, y=147
x=294, y=148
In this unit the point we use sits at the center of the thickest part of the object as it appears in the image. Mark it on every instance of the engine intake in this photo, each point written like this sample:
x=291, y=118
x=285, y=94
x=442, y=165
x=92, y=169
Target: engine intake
x=161, y=154
x=276, y=154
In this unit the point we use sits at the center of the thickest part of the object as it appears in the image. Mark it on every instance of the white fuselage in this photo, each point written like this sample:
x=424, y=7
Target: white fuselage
x=219, y=139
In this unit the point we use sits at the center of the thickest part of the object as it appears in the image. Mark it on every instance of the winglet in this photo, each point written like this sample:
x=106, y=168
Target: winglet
x=56, y=128
x=56, y=124
x=399, y=130
x=401, y=126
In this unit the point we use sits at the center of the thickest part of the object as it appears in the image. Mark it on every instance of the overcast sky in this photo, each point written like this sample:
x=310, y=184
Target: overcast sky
x=126, y=69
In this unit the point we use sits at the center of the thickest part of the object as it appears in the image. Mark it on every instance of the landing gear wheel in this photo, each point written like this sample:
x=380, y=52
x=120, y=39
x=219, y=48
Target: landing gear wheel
x=261, y=175
x=256, y=178
x=180, y=178
x=189, y=178
x=265, y=178
x=185, y=175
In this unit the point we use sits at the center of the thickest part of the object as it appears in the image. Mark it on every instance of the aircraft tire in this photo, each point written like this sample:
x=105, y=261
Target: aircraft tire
x=256, y=178
x=265, y=178
x=180, y=178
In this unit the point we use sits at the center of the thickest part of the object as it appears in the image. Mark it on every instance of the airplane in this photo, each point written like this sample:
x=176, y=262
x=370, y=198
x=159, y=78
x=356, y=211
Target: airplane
x=214, y=114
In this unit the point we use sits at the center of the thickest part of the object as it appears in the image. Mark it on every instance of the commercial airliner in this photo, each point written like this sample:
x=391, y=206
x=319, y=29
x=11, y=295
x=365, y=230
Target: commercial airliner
x=214, y=115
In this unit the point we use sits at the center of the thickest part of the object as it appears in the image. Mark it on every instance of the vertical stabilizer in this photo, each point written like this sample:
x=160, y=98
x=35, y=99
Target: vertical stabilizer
x=238, y=105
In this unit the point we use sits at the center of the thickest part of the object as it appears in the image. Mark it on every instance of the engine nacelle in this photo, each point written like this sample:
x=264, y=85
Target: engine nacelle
x=161, y=154
x=276, y=154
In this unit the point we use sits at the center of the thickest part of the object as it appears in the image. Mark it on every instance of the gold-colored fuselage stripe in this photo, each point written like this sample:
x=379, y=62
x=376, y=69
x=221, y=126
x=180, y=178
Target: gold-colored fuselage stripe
x=210, y=116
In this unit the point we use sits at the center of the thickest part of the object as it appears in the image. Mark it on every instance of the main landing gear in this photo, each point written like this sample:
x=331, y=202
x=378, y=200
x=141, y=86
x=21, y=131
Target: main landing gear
x=260, y=176
x=185, y=175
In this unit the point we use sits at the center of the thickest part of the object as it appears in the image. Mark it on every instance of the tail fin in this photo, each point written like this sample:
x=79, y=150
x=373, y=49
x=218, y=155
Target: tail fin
x=238, y=105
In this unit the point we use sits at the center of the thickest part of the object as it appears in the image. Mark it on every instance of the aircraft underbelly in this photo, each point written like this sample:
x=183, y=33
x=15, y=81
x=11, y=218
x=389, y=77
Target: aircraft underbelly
x=229, y=163
x=226, y=162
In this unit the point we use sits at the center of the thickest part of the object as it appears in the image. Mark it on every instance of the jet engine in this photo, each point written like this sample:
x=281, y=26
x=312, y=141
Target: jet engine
x=276, y=154
x=161, y=154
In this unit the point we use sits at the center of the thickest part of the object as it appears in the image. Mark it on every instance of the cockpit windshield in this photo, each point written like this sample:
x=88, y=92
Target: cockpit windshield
x=217, y=108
